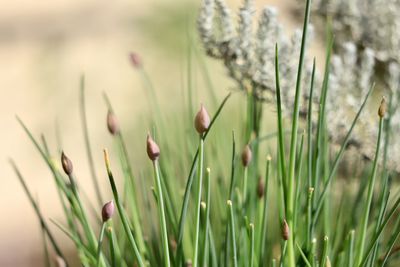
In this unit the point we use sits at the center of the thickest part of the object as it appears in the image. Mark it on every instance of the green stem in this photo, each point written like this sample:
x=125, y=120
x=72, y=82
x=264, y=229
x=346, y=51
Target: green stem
x=251, y=259
x=122, y=214
x=161, y=210
x=198, y=199
x=371, y=184
x=103, y=227
x=232, y=230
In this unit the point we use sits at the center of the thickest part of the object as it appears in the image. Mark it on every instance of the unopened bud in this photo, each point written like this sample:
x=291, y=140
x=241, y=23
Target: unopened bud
x=112, y=123
x=153, y=151
x=188, y=263
x=382, y=108
x=107, y=211
x=135, y=60
x=202, y=120
x=246, y=156
x=260, y=188
x=285, y=230
x=66, y=164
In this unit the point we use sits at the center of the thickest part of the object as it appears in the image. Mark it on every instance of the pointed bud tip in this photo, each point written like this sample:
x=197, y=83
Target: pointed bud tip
x=153, y=151
x=66, y=164
x=202, y=120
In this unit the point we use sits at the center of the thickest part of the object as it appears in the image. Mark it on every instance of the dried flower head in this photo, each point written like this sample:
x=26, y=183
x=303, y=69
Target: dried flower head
x=202, y=120
x=112, y=123
x=66, y=164
x=107, y=211
x=246, y=156
x=285, y=230
x=135, y=60
x=153, y=151
x=382, y=108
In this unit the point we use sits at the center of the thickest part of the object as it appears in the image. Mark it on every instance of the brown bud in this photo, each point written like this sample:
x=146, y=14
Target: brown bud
x=382, y=108
x=107, y=211
x=112, y=123
x=246, y=156
x=188, y=263
x=202, y=120
x=135, y=60
x=153, y=151
x=285, y=230
x=66, y=164
x=260, y=188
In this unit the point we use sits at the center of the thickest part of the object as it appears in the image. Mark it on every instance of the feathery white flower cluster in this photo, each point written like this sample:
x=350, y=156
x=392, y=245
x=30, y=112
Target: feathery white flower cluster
x=249, y=57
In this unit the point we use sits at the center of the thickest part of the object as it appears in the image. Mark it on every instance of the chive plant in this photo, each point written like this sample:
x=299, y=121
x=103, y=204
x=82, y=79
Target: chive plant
x=230, y=218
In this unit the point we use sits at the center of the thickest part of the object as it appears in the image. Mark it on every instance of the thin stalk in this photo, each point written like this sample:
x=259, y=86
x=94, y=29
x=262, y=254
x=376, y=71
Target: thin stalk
x=338, y=158
x=281, y=139
x=207, y=218
x=351, y=249
x=324, y=251
x=309, y=130
x=232, y=231
x=161, y=211
x=371, y=184
x=263, y=234
x=101, y=236
x=309, y=217
x=121, y=212
x=87, y=143
x=251, y=237
x=245, y=175
x=186, y=197
x=198, y=199
x=37, y=210
x=303, y=255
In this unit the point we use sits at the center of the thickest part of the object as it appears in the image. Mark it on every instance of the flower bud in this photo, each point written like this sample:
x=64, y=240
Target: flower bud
x=382, y=108
x=246, y=156
x=285, y=230
x=135, y=60
x=153, y=151
x=66, y=164
x=188, y=263
x=112, y=123
x=107, y=211
x=260, y=188
x=202, y=120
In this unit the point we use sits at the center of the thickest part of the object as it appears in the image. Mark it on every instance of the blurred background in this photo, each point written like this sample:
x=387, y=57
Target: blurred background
x=45, y=47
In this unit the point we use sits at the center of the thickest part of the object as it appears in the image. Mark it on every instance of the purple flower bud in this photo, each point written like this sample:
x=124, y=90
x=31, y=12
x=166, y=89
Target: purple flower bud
x=153, y=151
x=246, y=156
x=285, y=230
x=112, y=123
x=382, y=108
x=202, y=120
x=135, y=60
x=66, y=164
x=107, y=211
